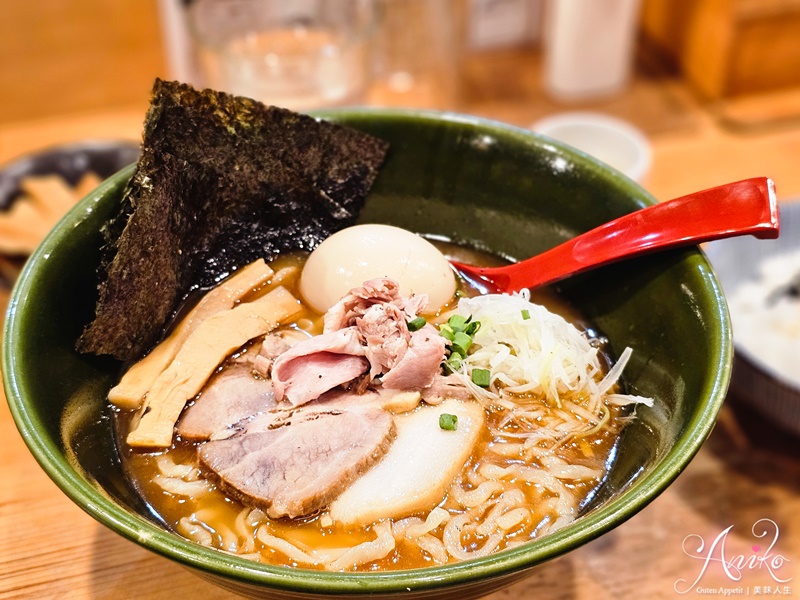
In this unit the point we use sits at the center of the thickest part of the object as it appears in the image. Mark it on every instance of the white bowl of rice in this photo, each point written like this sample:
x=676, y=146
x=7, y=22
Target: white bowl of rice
x=761, y=279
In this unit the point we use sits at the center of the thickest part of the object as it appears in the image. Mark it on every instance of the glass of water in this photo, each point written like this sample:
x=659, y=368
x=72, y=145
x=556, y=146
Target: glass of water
x=299, y=54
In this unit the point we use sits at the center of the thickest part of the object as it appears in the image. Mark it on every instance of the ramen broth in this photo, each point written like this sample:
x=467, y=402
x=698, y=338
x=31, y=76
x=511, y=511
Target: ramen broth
x=210, y=517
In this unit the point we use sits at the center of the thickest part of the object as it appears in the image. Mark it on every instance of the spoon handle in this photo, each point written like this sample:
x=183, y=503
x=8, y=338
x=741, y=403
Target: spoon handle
x=742, y=207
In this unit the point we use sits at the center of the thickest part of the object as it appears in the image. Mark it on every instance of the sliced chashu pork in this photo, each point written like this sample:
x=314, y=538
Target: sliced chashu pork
x=312, y=367
x=198, y=359
x=366, y=330
x=299, y=465
x=233, y=395
x=420, y=364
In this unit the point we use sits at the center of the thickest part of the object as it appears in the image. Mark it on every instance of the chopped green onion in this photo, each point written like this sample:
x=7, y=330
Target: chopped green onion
x=448, y=422
x=447, y=332
x=417, y=324
x=481, y=377
x=461, y=343
x=473, y=328
x=458, y=331
x=526, y=314
x=457, y=322
x=454, y=361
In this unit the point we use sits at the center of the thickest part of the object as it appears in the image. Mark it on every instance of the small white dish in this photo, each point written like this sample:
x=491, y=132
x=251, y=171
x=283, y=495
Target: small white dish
x=611, y=140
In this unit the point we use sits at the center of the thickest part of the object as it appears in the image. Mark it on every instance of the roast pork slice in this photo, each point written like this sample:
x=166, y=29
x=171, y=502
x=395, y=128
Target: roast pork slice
x=365, y=330
x=338, y=400
x=233, y=395
x=385, y=334
x=420, y=364
x=358, y=300
x=380, y=291
x=314, y=366
x=284, y=415
x=444, y=387
x=394, y=401
x=300, y=466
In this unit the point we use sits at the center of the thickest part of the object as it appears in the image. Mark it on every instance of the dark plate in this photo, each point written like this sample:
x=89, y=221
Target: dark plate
x=71, y=161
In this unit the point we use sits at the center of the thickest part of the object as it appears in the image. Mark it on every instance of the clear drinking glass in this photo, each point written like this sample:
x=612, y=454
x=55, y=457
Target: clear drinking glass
x=417, y=53
x=301, y=55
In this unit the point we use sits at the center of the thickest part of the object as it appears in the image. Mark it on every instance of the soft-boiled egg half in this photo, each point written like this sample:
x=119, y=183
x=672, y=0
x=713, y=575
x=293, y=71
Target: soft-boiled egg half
x=357, y=254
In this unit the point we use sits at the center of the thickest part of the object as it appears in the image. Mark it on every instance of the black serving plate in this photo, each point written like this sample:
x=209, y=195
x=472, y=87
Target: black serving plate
x=71, y=161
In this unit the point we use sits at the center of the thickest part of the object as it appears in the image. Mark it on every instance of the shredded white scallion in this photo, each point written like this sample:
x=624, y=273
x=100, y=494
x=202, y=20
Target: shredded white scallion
x=546, y=375
x=542, y=354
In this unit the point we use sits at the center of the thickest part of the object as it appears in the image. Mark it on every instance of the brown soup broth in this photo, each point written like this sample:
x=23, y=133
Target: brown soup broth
x=223, y=517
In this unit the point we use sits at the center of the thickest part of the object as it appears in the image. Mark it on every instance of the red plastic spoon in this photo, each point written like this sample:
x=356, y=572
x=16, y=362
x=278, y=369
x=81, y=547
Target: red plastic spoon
x=739, y=208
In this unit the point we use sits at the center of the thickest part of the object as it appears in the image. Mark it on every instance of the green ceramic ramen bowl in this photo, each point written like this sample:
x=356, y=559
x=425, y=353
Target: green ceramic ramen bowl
x=453, y=176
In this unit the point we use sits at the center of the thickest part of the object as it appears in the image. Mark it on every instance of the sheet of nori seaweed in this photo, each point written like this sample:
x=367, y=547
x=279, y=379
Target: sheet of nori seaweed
x=222, y=181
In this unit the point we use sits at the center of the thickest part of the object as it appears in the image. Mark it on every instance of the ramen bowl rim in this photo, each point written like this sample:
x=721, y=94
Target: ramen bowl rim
x=216, y=563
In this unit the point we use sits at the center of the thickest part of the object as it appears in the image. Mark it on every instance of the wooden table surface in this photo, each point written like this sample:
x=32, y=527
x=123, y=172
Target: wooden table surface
x=747, y=471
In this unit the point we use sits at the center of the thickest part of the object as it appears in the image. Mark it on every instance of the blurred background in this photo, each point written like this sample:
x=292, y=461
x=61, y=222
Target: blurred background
x=676, y=70
x=60, y=57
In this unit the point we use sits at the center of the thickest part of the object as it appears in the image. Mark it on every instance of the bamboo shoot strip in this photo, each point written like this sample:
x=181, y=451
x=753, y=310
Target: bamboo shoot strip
x=204, y=350
x=130, y=391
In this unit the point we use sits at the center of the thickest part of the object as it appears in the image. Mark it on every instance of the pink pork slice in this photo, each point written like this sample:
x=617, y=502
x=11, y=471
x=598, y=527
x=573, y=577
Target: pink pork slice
x=314, y=366
x=299, y=465
x=231, y=396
